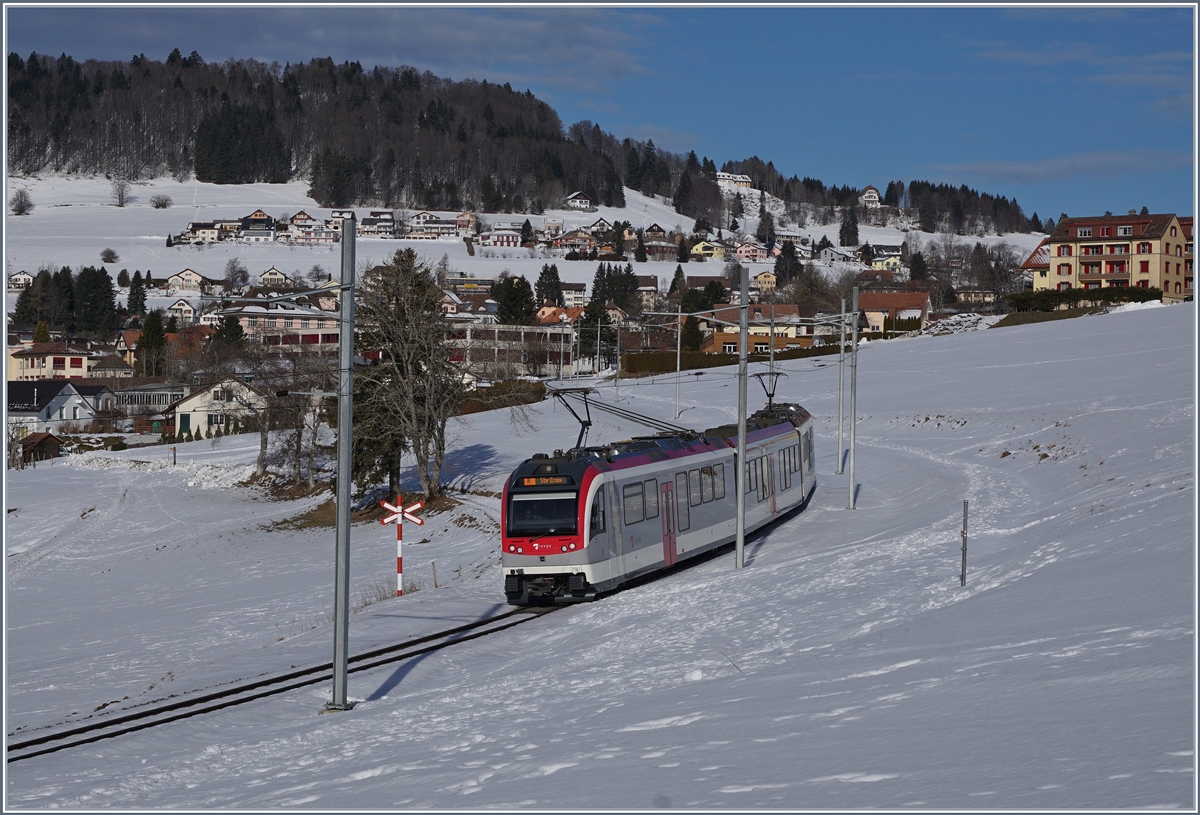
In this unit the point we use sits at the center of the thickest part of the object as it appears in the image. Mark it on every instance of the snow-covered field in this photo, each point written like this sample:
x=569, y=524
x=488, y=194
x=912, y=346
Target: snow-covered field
x=843, y=668
x=75, y=218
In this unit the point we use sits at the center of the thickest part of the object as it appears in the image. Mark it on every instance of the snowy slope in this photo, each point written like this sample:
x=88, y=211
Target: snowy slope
x=844, y=667
x=74, y=219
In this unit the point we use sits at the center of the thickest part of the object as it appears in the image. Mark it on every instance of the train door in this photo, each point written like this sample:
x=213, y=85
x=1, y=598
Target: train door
x=667, y=503
x=771, y=482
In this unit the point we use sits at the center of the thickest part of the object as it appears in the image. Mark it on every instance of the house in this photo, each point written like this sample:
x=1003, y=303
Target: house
x=50, y=360
x=291, y=325
x=47, y=405
x=701, y=281
x=126, y=345
x=112, y=366
x=466, y=223
x=217, y=406
x=190, y=280
x=451, y=302
x=39, y=447
x=183, y=311
x=380, y=223
x=494, y=351
x=616, y=314
x=647, y=289
x=888, y=263
x=1146, y=251
x=879, y=307
x=869, y=198
x=765, y=281
x=102, y=399
x=551, y=315
x=599, y=227
x=575, y=241
x=781, y=325
x=654, y=231
x=574, y=295
x=503, y=238
x=274, y=279
x=19, y=281
x=1037, y=266
x=752, y=251
x=550, y=230
x=202, y=232
x=708, y=249
x=736, y=179
x=831, y=254
x=578, y=200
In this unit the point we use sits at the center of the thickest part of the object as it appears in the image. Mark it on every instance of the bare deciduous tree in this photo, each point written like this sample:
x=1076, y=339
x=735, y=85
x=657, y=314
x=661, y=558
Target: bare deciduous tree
x=236, y=274
x=160, y=201
x=120, y=191
x=404, y=400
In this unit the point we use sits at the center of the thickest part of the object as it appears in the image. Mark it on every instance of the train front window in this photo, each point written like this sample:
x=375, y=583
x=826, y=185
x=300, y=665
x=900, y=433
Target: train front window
x=547, y=513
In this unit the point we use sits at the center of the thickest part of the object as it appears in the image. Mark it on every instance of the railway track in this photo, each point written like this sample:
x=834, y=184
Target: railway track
x=120, y=723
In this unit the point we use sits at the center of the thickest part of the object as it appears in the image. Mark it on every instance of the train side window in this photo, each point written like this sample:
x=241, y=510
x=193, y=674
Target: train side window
x=706, y=486
x=718, y=481
x=694, y=487
x=751, y=475
x=785, y=472
x=808, y=437
x=631, y=498
x=764, y=486
x=597, y=521
x=681, y=500
x=651, y=499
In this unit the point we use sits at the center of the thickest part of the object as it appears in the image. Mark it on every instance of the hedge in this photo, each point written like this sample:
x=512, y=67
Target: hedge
x=661, y=362
x=1052, y=300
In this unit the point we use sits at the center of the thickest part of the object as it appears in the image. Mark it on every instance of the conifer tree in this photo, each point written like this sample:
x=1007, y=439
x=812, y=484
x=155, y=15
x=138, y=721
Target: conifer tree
x=152, y=345
x=137, y=294
x=42, y=332
x=639, y=252
x=678, y=282
x=548, y=287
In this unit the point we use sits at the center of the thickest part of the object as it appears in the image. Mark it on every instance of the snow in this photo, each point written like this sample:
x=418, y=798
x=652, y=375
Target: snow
x=75, y=218
x=843, y=668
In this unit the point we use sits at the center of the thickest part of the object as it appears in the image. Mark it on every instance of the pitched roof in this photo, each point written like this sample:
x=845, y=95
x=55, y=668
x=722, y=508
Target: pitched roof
x=40, y=349
x=879, y=301
x=32, y=397
x=112, y=362
x=1039, y=258
x=1154, y=226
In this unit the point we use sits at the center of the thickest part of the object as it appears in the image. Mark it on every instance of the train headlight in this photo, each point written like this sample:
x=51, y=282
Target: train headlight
x=572, y=546
x=564, y=548
x=520, y=550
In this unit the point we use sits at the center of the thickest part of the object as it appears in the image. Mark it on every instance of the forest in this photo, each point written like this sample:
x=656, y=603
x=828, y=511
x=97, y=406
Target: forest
x=387, y=137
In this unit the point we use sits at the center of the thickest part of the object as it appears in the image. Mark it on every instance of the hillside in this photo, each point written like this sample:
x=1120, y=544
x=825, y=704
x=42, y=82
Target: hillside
x=387, y=136
x=74, y=218
x=843, y=668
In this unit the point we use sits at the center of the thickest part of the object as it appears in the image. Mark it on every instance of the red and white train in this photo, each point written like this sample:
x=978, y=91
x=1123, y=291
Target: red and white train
x=587, y=521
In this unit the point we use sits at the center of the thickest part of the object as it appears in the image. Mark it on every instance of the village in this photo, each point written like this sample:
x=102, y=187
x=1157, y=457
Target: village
x=61, y=385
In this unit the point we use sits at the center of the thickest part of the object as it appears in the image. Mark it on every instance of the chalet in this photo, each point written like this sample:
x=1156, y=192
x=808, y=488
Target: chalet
x=578, y=200
x=257, y=227
x=466, y=223
x=879, y=307
x=190, y=280
x=575, y=241
x=890, y=263
x=869, y=198
x=217, y=406
x=831, y=254
x=550, y=229
x=655, y=231
x=183, y=311
x=100, y=397
x=19, y=281
x=552, y=315
x=417, y=220
x=274, y=279
x=451, y=302
x=599, y=227
x=791, y=329
x=126, y=344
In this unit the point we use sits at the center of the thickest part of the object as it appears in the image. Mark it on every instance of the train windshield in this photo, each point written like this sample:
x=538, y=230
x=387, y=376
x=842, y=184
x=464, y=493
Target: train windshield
x=546, y=513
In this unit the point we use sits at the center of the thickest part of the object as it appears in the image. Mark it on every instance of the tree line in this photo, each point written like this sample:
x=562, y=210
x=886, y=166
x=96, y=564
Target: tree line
x=387, y=137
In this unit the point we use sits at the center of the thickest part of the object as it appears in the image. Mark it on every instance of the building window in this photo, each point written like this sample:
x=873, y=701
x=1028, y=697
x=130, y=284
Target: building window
x=1085, y=232
x=252, y=322
x=1105, y=231
x=304, y=322
x=60, y=363
x=1144, y=267
x=270, y=322
x=729, y=347
x=287, y=322
x=1173, y=233
x=1124, y=230
x=76, y=362
x=1064, y=268
x=1143, y=284
x=1064, y=251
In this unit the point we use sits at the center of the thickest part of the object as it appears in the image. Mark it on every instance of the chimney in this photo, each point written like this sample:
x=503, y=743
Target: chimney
x=1133, y=212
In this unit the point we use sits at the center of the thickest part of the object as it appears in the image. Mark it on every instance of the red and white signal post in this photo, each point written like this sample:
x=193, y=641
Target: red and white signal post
x=399, y=515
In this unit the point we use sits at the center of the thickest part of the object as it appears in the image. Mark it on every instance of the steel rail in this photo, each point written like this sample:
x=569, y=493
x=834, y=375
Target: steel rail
x=258, y=689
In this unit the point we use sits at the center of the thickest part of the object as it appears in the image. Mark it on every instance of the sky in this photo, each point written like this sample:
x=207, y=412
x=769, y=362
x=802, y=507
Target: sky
x=1071, y=109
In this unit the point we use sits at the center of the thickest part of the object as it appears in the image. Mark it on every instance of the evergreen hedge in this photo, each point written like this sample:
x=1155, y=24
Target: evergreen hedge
x=1052, y=300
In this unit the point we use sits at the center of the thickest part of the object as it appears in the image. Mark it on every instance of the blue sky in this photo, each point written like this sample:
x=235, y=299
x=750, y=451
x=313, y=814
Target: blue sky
x=1072, y=109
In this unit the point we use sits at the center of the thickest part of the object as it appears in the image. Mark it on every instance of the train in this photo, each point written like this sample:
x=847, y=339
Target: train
x=579, y=523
